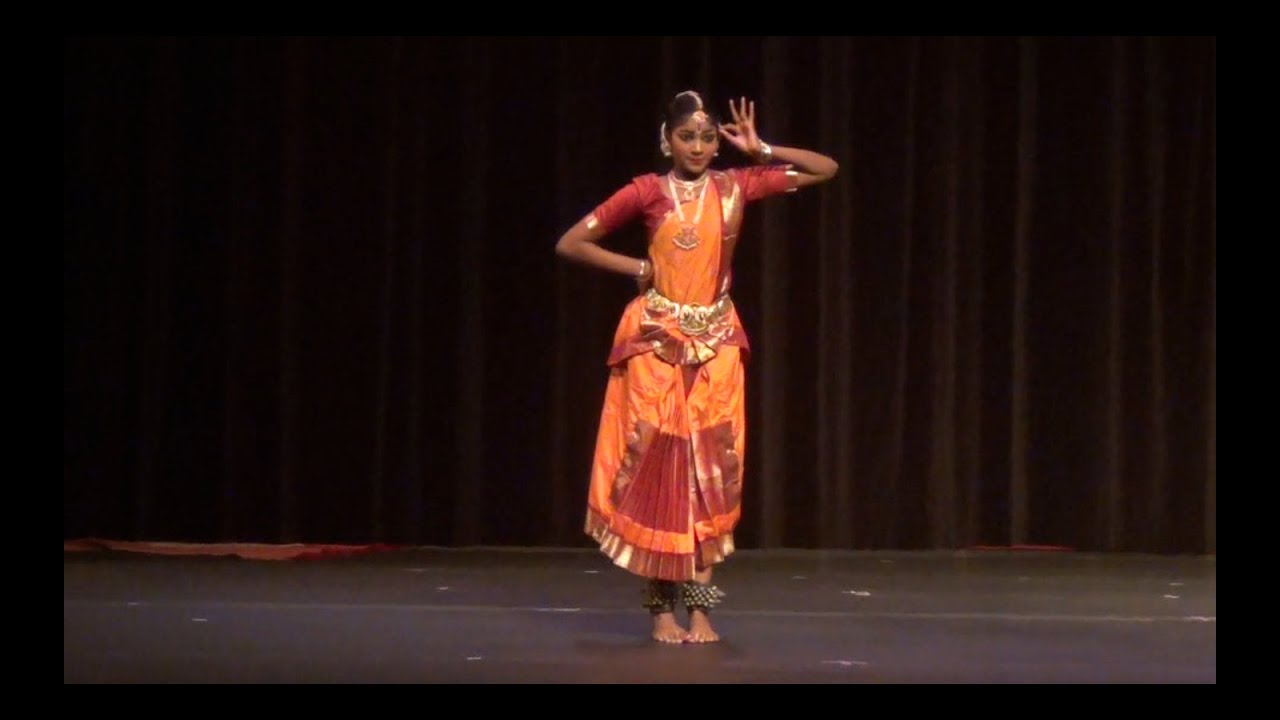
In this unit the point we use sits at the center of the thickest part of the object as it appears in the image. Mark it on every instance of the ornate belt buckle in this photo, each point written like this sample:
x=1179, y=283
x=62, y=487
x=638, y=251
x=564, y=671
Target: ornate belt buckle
x=694, y=320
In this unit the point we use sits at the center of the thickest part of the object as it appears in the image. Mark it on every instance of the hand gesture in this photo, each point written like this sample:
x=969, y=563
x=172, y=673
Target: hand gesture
x=741, y=133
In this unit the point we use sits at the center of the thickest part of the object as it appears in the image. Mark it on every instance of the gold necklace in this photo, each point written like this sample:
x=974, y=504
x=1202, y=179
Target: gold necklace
x=687, y=238
x=688, y=188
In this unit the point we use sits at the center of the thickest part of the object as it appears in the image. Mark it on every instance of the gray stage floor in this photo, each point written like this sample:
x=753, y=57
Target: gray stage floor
x=569, y=616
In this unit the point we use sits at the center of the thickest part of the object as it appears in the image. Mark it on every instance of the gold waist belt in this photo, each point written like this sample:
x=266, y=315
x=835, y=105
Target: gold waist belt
x=693, y=319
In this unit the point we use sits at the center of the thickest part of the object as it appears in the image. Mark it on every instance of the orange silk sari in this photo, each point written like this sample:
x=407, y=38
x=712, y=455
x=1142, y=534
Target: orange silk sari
x=666, y=479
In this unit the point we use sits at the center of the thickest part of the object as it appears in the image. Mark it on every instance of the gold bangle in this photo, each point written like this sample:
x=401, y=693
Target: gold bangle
x=644, y=270
x=766, y=153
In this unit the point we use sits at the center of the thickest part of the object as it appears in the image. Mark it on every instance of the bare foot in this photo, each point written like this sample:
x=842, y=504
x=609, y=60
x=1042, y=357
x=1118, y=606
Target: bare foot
x=667, y=630
x=700, y=628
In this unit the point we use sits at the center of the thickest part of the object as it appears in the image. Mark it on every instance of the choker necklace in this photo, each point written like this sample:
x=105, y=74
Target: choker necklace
x=688, y=188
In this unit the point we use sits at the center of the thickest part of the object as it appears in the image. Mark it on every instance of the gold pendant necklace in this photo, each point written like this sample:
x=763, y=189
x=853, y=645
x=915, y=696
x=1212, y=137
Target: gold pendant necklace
x=687, y=238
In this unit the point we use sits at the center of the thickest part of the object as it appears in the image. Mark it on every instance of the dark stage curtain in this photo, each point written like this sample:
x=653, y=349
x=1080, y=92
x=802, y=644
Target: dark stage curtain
x=310, y=291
